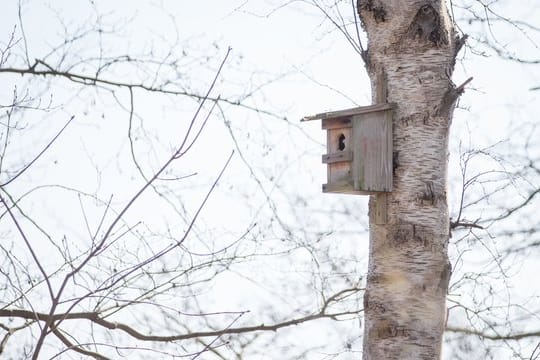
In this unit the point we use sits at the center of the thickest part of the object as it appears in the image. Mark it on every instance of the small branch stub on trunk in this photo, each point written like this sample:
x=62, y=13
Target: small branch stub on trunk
x=359, y=149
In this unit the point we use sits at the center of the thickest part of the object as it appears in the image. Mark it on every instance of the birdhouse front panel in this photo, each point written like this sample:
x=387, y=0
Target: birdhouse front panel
x=339, y=147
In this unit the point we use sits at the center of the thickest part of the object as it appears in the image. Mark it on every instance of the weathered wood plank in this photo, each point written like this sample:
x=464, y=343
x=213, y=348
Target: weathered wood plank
x=339, y=172
x=337, y=157
x=339, y=140
x=339, y=123
x=381, y=208
x=351, y=111
x=344, y=188
x=381, y=90
x=372, y=152
x=380, y=200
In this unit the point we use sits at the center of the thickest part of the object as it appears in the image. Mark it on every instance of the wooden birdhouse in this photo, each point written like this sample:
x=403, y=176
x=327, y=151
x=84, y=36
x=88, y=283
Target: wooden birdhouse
x=359, y=149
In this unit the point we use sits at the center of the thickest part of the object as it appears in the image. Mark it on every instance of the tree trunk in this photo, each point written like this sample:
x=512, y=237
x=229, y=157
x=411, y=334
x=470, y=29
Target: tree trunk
x=414, y=45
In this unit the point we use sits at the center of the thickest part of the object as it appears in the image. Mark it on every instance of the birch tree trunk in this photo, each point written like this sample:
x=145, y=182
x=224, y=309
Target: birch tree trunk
x=413, y=43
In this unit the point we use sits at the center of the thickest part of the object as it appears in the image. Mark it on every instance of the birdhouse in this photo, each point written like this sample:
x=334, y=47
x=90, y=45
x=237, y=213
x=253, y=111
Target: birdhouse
x=359, y=149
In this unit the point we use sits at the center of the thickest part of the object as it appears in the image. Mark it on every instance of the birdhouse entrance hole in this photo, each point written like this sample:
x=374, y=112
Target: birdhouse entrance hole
x=341, y=142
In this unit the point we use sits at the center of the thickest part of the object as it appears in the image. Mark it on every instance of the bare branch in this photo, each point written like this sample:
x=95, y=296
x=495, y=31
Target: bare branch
x=92, y=80
x=77, y=348
x=96, y=319
x=488, y=336
x=28, y=246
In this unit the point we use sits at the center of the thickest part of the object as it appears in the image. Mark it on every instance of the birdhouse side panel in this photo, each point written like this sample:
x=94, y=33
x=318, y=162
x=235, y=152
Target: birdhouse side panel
x=373, y=152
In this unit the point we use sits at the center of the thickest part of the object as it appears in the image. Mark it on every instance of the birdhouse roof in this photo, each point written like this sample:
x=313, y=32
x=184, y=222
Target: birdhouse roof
x=351, y=111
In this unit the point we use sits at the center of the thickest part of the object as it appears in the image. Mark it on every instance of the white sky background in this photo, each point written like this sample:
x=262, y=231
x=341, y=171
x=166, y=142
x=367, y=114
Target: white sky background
x=309, y=58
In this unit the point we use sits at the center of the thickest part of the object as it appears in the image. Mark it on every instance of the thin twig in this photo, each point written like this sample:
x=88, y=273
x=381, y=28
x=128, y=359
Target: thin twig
x=484, y=335
x=20, y=172
x=28, y=245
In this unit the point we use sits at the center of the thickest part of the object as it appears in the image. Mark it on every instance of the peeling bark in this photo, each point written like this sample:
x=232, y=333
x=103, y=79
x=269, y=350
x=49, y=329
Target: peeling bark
x=414, y=44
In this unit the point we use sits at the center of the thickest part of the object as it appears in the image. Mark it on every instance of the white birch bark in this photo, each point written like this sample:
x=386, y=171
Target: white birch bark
x=413, y=43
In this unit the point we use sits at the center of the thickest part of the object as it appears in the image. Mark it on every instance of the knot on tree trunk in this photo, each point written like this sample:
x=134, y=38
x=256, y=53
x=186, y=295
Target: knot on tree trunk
x=426, y=26
x=375, y=7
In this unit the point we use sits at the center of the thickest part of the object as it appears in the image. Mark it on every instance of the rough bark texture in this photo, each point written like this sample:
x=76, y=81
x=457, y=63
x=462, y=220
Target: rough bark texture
x=413, y=43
